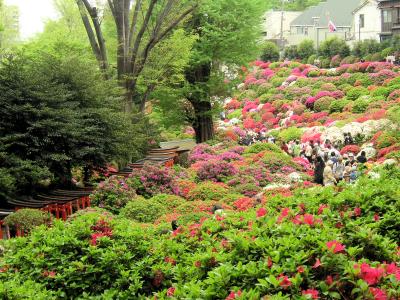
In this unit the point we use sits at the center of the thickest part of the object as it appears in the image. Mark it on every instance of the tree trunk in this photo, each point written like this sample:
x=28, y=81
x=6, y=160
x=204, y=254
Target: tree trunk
x=203, y=123
x=199, y=97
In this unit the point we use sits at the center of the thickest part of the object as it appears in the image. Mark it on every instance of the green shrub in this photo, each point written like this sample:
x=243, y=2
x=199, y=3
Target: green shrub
x=270, y=52
x=235, y=114
x=334, y=46
x=26, y=219
x=305, y=49
x=376, y=57
x=207, y=191
x=114, y=193
x=259, y=147
x=277, y=81
x=291, y=52
x=365, y=47
x=275, y=161
x=168, y=201
x=361, y=105
x=290, y=134
x=356, y=92
x=311, y=59
x=143, y=210
x=387, y=52
x=323, y=104
x=349, y=60
x=381, y=91
x=338, y=105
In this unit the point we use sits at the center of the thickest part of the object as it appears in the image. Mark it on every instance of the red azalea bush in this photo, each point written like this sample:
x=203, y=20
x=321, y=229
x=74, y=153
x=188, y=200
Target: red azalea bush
x=350, y=149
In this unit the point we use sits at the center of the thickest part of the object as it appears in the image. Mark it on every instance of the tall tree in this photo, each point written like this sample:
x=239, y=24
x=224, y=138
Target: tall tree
x=9, y=25
x=140, y=26
x=229, y=31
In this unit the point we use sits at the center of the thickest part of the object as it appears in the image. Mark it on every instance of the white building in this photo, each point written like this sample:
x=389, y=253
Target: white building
x=272, y=24
x=367, y=21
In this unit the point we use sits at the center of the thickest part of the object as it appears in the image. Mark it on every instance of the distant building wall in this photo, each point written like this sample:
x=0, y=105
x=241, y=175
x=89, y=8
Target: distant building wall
x=367, y=22
x=272, y=24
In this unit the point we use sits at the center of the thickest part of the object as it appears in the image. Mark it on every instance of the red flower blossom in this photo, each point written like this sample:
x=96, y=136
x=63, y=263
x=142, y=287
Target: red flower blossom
x=378, y=294
x=308, y=219
x=285, y=282
x=261, y=212
x=313, y=293
x=170, y=291
x=393, y=269
x=269, y=263
x=197, y=264
x=284, y=213
x=357, y=211
x=233, y=295
x=50, y=274
x=317, y=264
x=329, y=280
x=321, y=208
x=335, y=246
x=300, y=269
x=369, y=274
x=170, y=260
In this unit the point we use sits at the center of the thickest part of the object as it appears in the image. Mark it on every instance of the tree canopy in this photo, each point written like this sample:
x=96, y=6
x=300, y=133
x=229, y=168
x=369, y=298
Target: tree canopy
x=52, y=120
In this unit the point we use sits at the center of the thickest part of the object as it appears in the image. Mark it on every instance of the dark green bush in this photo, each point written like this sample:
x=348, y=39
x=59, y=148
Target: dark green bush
x=270, y=52
x=143, y=210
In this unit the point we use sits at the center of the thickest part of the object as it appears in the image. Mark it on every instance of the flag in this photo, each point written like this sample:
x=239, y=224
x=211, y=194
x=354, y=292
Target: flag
x=332, y=27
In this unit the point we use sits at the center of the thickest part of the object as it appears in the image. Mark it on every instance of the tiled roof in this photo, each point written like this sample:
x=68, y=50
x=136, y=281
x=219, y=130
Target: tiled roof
x=338, y=11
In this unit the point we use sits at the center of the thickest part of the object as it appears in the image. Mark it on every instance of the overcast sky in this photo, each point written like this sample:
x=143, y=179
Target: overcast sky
x=33, y=14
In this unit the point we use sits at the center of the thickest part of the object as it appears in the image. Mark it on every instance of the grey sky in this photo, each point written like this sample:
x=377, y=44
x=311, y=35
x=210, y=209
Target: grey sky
x=33, y=14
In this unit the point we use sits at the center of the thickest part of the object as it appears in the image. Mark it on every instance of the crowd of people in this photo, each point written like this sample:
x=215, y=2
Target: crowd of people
x=330, y=167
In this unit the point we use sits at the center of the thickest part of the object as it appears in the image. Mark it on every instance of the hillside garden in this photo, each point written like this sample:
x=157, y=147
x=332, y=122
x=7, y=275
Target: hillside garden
x=248, y=222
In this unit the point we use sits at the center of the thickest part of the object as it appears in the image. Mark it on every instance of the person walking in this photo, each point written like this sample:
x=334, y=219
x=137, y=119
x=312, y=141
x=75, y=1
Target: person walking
x=319, y=170
x=296, y=149
x=329, y=178
x=362, y=159
x=338, y=169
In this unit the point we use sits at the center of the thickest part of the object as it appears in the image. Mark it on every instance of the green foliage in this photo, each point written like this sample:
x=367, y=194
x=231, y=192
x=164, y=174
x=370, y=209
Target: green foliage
x=356, y=92
x=291, y=52
x=168, y=201
x=259, y=147
x=26, y=219
x=270, y=52
x=290, y=134
x=295, y=5
x=143, y=210
x=338, y=105
x=306, y=49
x=207, y=191
x=114, y=193
x=365, y=47
x=311, y=59
x=334, y=46
x=361, y=105
x=214, y=257
x=323, y=103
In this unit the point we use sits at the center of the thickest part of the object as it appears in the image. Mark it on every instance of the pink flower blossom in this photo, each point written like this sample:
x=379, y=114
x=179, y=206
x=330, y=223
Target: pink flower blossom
x=284, y=281
x=261, y=212
x=378, y=294
x=170, y=291
x=313, y=293
x=335, y=246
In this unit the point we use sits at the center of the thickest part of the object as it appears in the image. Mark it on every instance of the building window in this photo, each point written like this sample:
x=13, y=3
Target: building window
x=305, y=30
x=362, y=24
x=299, y=30
x=387, y=16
